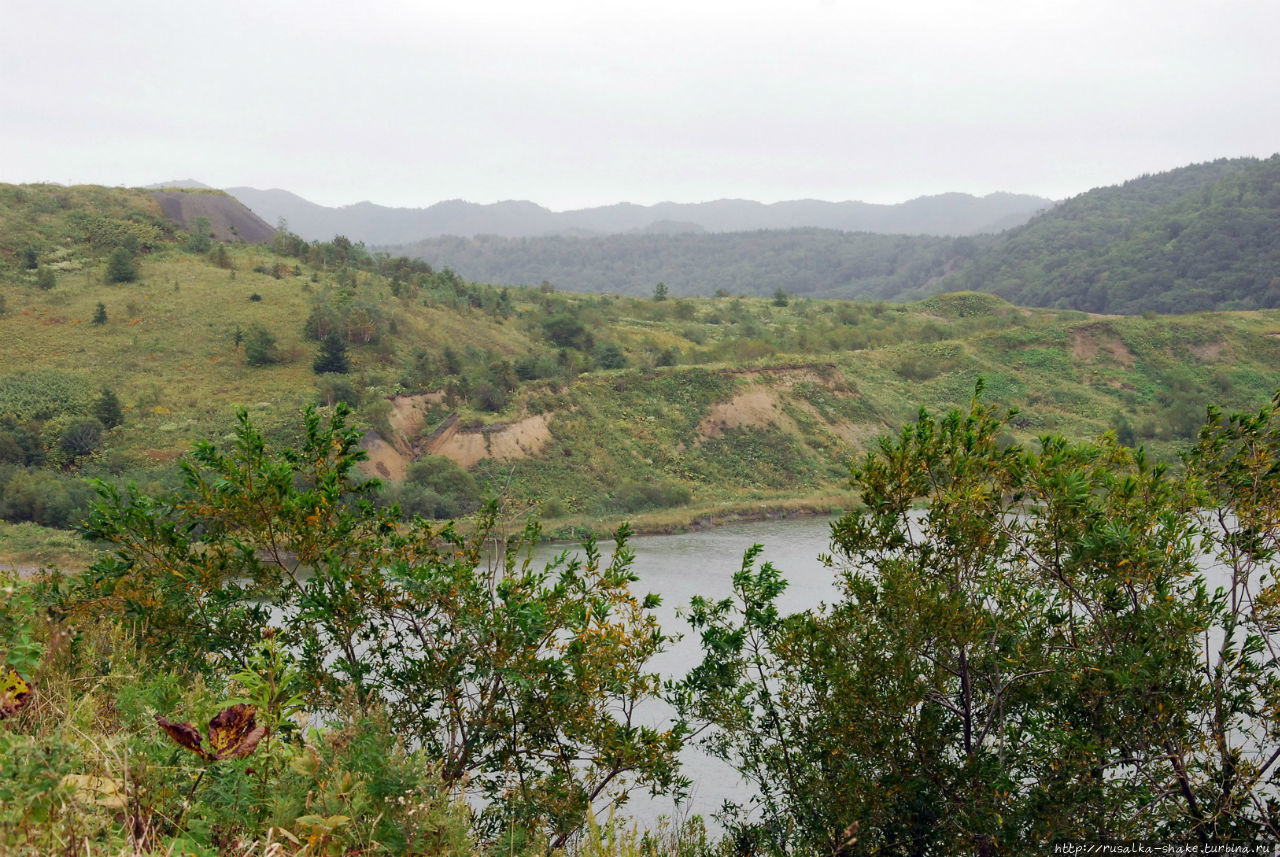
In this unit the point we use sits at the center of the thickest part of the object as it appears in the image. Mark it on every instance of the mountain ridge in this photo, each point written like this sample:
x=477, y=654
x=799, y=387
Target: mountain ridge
x=939, y=214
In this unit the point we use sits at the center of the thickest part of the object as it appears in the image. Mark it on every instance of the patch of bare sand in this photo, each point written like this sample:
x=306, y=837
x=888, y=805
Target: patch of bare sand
x=755, y=407
x=383, y=460
x=408, y=414
x=502, y=442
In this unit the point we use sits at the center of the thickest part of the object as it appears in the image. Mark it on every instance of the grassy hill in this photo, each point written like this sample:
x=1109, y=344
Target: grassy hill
x=589, y=407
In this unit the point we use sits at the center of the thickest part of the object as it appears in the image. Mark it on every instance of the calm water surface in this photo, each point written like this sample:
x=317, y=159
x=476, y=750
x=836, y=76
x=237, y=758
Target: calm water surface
x=681, y=566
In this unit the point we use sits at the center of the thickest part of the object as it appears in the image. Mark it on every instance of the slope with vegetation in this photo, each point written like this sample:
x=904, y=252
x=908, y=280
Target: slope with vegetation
x=1204, y=237
x=809, y=262
x=1036, y=659
x=589, y=407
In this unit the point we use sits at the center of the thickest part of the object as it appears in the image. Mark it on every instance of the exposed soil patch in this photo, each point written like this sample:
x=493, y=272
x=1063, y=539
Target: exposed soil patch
x=502, y=442
x=384, y=461
x=408, y=414
x=1089, y=344
x=756, y=407
x=1210, y=352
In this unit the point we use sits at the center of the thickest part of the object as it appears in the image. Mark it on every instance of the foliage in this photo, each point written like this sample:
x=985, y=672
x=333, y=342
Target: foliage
x=1023, y=657
x=107, y=409
x=260, y=348
x=1198, y=238
x=332, y=356
x=120, y=267
x=521, y=680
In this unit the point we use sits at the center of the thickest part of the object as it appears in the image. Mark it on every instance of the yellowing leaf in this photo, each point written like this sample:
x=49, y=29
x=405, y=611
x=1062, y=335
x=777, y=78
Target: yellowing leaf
x=233, y=733
x=14, y=692
x=103, y=791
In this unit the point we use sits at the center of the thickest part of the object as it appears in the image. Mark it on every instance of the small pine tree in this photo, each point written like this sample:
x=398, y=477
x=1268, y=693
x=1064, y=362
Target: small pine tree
x=120, y=267
x=780, y=298
x=107, y=409
x=332, y=357
x=45, y=278
x=100, y=314
x=660, y=292
x=260, y=346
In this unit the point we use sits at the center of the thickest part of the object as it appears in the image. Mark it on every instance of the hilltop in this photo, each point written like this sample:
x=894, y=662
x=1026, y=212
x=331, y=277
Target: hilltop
x=1198, y=238
x=587, y=407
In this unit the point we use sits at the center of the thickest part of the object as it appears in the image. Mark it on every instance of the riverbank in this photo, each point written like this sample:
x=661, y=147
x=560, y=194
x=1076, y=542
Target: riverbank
x=700, y=517
x=25, y=548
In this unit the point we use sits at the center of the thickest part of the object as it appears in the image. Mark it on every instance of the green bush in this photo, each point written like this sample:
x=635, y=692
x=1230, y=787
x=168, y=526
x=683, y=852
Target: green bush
x=643, y=496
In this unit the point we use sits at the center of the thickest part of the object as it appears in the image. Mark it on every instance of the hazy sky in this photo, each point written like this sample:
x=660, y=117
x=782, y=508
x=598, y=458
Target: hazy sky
x=574, y=103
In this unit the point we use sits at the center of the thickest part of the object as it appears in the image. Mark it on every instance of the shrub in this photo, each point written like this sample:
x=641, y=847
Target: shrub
x=121, y=267
x=260, y=347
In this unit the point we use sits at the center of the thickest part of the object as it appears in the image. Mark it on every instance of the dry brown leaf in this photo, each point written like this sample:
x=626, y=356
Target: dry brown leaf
x=185, y=735
x=233, y=733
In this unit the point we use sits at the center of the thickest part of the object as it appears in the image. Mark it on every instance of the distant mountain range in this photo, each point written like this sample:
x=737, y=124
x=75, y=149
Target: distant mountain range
x=945, y=214
x=1200, y=237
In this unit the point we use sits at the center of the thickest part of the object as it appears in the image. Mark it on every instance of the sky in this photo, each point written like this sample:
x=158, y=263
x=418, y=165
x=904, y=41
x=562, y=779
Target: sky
x=573, y=104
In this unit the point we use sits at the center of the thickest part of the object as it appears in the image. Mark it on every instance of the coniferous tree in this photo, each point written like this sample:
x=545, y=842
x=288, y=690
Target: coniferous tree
x=100, y=314
x=121, y=267
x=332, y=357
x=107, y=409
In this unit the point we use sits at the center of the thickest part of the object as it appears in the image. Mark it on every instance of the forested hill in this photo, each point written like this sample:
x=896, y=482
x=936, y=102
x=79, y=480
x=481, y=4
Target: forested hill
x=808, y=262
x=1204, y=237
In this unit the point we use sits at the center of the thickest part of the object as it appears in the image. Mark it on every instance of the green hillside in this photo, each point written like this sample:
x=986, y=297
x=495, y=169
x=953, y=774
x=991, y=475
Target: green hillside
x=589, y=407
x=1199, y=238
x=1203, y=237
x=809, y=262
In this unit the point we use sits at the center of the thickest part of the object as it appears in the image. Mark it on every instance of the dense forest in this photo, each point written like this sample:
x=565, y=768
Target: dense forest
x=1200, y=238
x=808, y=262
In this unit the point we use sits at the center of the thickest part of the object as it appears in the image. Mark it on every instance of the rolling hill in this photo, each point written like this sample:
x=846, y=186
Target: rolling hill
x=588, y=407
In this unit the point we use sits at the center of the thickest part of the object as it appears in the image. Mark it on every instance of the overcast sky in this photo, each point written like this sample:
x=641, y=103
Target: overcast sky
x=572, y=104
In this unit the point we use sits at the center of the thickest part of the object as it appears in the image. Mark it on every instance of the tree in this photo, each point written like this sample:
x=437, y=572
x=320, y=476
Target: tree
x=107, y=409
x=121, y=267
x=260, y=347
x=660, y=292
x=332, y=356
x=522, y=680
x=199, y=241
x=81, y=437
x=45, y=278
x=100, y=313
x=780, y=298
x=1020, y=663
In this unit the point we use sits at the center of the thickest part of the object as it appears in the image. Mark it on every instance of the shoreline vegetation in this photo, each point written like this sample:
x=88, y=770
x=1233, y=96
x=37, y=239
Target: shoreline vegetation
x=1042, y=636
x=25, y=548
